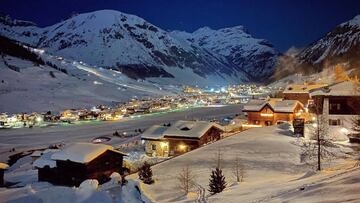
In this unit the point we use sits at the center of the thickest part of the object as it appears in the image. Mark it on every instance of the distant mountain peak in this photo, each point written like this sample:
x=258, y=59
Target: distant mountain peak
x=117, y=40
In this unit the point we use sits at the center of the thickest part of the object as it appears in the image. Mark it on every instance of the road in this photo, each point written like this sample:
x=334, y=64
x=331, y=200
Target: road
x=25, y=138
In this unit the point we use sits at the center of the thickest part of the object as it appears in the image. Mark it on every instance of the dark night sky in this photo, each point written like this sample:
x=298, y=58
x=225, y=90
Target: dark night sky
x=285, y=23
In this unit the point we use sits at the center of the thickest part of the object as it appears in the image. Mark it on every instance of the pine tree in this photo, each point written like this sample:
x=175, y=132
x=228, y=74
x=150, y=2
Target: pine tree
x=145, y=173
x=217, y=181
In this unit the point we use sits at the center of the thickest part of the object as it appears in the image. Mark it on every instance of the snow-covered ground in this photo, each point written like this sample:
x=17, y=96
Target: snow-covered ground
x=274, y=172
x=34, y=89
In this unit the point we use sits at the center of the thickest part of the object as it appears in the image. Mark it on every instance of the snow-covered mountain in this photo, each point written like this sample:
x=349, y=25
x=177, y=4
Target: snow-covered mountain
x=342, y=44
x=256, y=57
x=339, y=46
x=139, y=49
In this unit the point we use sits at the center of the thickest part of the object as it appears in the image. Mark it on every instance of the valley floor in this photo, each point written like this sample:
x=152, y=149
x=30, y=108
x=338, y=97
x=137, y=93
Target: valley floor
x=271, y=157
x=25, y=138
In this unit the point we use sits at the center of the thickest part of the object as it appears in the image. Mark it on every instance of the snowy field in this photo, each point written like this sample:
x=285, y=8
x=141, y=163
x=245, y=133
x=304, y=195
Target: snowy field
x=274, y=172
x=25, y=138
x=33, y=88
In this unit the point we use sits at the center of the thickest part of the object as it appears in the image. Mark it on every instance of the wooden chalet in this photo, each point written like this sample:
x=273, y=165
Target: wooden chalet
x=273, y=111
x=300, y=92
x=78, y=162
x=181, y=137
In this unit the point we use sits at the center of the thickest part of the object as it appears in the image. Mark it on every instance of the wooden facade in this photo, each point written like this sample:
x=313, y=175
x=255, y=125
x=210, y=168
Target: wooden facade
x=73, y=174
x=175, y=145
x=268, y=116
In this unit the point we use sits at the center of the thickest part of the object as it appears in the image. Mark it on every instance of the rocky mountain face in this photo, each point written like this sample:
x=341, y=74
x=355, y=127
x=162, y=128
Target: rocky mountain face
x=339, y=46
x=256, y=57
x=112, y=39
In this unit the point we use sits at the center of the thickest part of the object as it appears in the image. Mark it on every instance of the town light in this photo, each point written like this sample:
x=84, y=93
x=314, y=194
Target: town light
x=38, y=119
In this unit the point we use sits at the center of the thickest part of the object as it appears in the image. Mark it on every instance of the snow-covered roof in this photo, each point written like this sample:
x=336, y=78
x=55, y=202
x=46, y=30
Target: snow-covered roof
x=154, y=132
x=82, y=152
x=304, y=88
x=45, y=159
x=191, y=129
x=286, y=106
x=346, y=88
x=36, y=154
x=3, y=166
x=277, y=104
x=255, y=105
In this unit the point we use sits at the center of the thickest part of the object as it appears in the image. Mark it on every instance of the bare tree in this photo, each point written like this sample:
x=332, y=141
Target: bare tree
x=317, y=146
x=186, y=180
x=238, y=170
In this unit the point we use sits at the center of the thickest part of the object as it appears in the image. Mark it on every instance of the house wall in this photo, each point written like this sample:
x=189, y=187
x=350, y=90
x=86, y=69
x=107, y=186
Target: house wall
x=255, y=118
x=179, y=145
x=159, y=149
x=175, y=145
x=73, y=174
x=104, y=165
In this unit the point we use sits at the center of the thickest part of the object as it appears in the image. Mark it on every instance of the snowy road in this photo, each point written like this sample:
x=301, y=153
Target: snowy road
x=25, y=138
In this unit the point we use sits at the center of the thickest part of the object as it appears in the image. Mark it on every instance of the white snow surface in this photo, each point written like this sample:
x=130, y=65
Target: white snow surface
x=81, y=152
x=274, y=171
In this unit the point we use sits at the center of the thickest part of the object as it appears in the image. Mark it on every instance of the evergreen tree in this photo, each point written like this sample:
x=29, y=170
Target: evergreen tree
x=145, y=173
x=217, y=181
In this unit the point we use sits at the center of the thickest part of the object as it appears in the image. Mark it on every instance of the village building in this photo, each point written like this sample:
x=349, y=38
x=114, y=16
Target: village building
x=339, y=103
x=3, y=167
x=78, y=162
x=300, y=92
x=181, y=137
x=272, y=111
x=69, y=115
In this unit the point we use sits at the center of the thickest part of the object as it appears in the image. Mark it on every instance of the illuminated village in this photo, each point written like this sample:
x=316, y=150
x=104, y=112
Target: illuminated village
x=171, y=116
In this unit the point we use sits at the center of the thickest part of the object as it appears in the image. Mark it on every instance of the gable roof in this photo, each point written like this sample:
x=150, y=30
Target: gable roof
x=346, y=88
x=189, y=129
x=277, y=105
x=302, y=88
x=255, y=105
x=154, y=132
x=286, y=106
x=82, y=152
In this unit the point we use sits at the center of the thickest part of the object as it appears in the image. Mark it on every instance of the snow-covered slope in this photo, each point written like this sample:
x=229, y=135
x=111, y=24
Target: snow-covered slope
x=256, y=57
x=130, y=44
x=74, y=85
x=342, y=43
x=339, y=46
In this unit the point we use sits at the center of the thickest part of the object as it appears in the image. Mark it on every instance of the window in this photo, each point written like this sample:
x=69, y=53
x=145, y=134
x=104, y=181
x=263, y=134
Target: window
x=153, y=147
x=334, y=122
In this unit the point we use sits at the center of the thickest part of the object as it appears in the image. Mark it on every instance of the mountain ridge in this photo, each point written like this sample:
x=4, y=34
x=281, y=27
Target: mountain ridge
x=113, y=39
